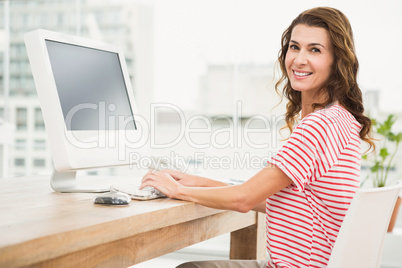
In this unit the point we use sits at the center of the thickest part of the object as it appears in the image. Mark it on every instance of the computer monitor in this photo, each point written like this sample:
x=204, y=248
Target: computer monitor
x=87, y=104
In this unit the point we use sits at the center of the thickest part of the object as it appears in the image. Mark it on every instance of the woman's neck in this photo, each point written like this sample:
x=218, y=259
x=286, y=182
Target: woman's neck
x=308, y=100
x=306, y=109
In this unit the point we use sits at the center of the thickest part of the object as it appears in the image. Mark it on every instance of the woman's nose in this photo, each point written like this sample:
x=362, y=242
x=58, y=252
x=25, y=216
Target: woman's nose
x=301, y=58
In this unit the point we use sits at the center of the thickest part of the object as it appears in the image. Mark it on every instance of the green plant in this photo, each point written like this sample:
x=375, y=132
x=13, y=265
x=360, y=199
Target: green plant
x=381, y=161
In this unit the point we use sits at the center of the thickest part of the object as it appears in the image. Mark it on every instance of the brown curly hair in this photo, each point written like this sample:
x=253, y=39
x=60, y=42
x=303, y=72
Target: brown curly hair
x=342, y=85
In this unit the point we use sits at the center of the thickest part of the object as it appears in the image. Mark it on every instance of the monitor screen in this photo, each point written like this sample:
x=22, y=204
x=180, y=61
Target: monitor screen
x=91, y=87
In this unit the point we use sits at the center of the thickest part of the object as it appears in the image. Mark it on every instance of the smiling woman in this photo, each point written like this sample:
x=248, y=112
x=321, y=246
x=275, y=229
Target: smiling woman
x=325, y=32
x=309, y=61
x=306, y=188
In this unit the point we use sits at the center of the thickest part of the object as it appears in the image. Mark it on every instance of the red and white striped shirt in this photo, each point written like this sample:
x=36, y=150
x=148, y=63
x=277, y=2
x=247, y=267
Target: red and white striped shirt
x=322, y=157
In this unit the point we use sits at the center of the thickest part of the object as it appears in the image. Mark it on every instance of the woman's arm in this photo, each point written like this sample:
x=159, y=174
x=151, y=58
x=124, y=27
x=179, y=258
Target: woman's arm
x=191, y=180
x=243, y=197
x=197, y=181
x=260, y=207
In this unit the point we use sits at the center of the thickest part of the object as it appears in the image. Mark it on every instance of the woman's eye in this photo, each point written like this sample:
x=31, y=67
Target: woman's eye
x=315, y=50
x=293, y=47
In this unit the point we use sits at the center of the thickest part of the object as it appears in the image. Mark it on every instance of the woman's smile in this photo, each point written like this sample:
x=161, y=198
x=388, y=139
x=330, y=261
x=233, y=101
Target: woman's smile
x=301, y=74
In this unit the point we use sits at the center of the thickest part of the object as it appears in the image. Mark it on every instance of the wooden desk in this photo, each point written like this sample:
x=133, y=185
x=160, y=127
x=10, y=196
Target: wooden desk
x=39, y=227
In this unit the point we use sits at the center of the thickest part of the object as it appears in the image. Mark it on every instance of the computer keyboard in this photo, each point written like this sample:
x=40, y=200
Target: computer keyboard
x=147, y=193
x=134, y=192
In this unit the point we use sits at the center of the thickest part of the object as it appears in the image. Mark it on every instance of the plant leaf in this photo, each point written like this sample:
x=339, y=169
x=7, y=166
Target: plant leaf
x=385, y=127
x=384, y=153
x=398, y=137
x=376, y=167
x=391, y=136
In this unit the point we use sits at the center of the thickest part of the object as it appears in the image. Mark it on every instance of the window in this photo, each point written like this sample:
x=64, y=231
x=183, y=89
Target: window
x=39, y=162
x=20, y=144
x=21, y=119
x=39, y=145
x=19, y=162
x=39, y=124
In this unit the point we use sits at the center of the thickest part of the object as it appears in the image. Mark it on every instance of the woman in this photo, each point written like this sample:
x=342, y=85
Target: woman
x=307, y=187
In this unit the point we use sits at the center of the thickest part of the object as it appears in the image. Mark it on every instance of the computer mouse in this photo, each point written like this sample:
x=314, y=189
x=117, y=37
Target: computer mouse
x=112, y=198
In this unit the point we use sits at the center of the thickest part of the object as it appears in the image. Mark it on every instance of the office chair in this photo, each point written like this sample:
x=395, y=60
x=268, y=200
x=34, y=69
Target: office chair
x=360, y=240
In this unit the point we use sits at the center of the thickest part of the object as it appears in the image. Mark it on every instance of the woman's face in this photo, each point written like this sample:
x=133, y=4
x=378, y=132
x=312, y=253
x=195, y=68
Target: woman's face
x=309, y=58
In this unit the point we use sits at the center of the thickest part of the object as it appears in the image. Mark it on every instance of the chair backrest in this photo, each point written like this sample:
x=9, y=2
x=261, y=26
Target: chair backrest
x=361, y=237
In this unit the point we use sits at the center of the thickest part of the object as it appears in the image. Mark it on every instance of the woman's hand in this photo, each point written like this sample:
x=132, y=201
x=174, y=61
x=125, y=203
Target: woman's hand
x=184, y=178
x=162, y=181
x=169, y=181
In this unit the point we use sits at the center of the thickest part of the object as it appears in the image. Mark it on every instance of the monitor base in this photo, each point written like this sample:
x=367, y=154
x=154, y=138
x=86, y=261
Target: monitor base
x=65, y=182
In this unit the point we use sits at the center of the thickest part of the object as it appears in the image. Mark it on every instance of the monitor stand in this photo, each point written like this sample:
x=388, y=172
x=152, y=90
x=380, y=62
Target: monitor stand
x=65, y=182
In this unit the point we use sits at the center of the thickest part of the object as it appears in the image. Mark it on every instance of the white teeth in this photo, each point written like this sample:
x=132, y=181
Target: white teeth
x=302, y=74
